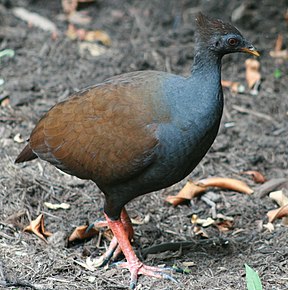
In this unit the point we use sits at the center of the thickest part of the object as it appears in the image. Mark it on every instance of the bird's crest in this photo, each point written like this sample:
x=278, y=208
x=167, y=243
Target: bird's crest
x=207, y=27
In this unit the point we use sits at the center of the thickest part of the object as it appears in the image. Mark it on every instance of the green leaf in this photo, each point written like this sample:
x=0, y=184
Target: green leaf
x=277, y=73
x=252, y=279
x=7, y=52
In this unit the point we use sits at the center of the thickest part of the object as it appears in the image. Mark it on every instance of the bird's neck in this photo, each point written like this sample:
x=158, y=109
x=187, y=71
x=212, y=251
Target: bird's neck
x=207, y=63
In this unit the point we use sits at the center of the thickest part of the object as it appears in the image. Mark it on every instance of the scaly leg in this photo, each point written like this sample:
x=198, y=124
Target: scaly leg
x=135, y=266
x=114, y=250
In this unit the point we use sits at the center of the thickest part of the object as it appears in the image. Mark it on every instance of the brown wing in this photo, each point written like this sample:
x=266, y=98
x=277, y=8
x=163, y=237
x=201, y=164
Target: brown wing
x=105, y=133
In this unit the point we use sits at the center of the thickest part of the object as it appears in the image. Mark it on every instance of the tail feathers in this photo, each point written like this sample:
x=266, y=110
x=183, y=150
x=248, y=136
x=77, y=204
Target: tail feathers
x=26, y=155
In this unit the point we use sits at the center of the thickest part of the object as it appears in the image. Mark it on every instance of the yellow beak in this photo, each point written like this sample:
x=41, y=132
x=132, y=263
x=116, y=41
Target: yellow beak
x=250, y=50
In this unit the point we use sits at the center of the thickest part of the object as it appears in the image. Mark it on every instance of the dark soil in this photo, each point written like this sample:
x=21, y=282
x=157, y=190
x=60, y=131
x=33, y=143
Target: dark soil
x=145, y=35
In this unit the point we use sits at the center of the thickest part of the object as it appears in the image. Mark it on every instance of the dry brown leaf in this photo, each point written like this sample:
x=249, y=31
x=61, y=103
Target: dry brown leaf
x=279, y=54
x=225, y=183
x=192, y=189
x=279, y=197
x=286, y=15
x=281, y=212
x=252, y=72
x=89, y=36
x=224, y=226
x=98, y=35
x=81, y=233
x=279, y=42
x=37, y=227
x=5, y=102
x=189, y=191
x=256, y=175
x=234, y=87
x=200, y=232
x=70, y=6
x=74, y=33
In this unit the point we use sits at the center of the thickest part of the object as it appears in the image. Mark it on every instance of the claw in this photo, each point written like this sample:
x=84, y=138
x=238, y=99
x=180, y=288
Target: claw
x=168, y=277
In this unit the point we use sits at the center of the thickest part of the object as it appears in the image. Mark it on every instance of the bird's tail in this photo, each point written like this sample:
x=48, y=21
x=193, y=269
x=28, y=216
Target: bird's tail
x=26, y=155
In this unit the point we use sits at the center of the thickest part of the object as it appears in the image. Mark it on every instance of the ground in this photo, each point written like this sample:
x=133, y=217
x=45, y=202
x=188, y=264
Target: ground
x=154, y=35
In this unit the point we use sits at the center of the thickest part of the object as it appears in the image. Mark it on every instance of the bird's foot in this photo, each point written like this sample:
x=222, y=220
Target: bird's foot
x=139, y=268
x=111, y=254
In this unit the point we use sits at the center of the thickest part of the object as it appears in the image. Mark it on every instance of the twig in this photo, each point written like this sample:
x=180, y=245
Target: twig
x=5, y=282
x=254, y=113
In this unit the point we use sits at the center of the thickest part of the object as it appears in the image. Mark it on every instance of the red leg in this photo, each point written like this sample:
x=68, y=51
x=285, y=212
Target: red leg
x=135, y=266
x=126, y=221
x=114, y=250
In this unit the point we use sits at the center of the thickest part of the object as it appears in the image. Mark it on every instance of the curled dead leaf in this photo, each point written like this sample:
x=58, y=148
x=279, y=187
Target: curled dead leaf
x=281, y=212
x=98, y=35
x=18, y=138
x=235, y=87
x=189, y=191
x=256, y=175
x=279, y=54
x=37, y=227
x=279, y=43
x=252, y=72
x=269, y=227
x=89, y=36
x=226, y=183
x=192, y=189
x=81, y=233
x=224, y=226
x=200, y=232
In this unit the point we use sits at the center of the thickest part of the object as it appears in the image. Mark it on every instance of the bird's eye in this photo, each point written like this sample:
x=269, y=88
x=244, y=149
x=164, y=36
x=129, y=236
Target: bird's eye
x=233, y=41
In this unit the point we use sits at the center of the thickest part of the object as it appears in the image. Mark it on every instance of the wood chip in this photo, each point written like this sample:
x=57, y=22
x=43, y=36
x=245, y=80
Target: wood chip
x=54, y=206
x=279, y=197
x=271, y=185
x=35, y=19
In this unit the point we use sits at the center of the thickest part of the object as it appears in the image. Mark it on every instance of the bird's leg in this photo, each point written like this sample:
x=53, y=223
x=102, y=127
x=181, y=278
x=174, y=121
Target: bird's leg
x=135, y=266
x=126, y=221
x=114, y=250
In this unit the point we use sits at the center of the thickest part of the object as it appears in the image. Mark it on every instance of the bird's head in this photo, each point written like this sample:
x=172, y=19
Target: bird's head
x=220, y=37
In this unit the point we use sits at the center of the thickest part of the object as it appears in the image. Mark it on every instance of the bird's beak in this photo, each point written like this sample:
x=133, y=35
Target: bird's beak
x=250, y=49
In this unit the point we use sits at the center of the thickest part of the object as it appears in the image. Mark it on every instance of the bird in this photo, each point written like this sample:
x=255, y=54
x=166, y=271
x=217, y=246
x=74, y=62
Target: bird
x=139, y=132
